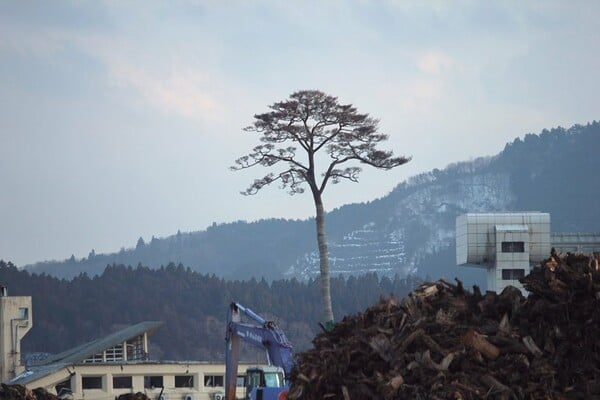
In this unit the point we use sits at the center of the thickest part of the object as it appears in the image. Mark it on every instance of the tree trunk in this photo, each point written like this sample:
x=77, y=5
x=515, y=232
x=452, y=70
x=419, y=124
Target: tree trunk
x=324, y=263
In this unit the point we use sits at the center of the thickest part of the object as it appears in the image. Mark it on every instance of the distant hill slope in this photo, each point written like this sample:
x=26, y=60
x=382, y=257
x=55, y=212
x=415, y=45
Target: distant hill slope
x=409, y=231
x=238, y=250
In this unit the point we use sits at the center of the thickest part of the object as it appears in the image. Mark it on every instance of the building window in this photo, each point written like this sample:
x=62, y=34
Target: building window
x=153, y=382
x=115, y=353
x=135, y=349
x=23, y=313
x=91, y=382
x=240, y=381
x=122, y=382
x=213, y=380
x=184, y=381
x=96, y=358
x=513, y=247
x=512, y=274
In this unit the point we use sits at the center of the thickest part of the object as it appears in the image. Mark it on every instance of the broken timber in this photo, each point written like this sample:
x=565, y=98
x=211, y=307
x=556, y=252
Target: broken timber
x=443, y=342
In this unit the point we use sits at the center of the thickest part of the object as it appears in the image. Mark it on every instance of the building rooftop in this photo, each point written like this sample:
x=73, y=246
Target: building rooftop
x=82, y=352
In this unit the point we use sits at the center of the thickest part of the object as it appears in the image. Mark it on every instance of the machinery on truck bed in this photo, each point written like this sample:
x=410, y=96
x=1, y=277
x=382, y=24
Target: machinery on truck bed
x=262, y=383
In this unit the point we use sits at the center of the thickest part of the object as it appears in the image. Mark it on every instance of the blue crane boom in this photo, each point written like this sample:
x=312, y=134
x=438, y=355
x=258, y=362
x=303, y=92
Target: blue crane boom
x=264, y=335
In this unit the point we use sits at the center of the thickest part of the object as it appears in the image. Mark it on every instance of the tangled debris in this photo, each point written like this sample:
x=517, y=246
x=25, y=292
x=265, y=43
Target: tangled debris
x=443, y=342
x=133, y=396
x=20, y=392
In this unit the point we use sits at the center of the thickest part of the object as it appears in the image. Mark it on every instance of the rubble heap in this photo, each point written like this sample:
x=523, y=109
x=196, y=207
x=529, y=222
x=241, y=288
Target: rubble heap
x=444, y=342
x=20, y=392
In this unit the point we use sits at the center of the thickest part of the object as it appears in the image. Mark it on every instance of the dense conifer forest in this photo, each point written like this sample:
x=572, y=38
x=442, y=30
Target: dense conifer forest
x=193, y=306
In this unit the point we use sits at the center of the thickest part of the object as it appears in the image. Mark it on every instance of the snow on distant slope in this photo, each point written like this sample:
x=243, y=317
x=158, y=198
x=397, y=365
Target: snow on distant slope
x=422, y=222
x=368, y=249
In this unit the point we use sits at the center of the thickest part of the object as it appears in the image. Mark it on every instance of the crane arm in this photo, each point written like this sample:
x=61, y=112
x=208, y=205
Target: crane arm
x=267, y=335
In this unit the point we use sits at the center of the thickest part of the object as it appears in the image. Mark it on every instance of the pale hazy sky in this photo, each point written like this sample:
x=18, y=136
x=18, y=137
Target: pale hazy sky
x=119, y=119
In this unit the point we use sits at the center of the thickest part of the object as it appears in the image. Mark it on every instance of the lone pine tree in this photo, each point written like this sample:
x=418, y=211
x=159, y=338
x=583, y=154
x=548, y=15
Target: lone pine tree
x=297, y=130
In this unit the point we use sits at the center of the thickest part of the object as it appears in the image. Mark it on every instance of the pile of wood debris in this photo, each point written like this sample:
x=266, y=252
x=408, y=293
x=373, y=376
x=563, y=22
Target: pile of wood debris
x=444, y=342
x=20, y=392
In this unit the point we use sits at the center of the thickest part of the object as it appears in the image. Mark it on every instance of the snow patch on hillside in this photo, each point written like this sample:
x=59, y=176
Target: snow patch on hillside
x=426, y=215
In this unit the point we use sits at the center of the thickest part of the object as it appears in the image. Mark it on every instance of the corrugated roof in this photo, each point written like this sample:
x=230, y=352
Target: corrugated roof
x=77, y=354
x=80, y=353
x=34, y=373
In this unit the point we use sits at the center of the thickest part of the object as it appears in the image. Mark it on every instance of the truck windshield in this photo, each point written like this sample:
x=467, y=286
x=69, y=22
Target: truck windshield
x=273, y=379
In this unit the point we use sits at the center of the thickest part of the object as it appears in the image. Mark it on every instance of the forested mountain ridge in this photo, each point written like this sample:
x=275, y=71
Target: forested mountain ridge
x=411, y=230
x=193, y=306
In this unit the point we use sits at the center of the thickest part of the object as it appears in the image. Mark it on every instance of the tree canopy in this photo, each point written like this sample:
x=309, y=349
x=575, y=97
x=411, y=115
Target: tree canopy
x=307, y=123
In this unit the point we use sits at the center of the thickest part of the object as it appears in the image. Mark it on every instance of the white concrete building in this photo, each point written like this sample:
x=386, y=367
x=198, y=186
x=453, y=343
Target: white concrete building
x=15, y=322
x=508, y=245
x=505, y=244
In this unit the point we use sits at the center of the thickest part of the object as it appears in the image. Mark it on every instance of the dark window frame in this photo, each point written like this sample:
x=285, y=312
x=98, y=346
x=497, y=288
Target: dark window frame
x=214, y=380
x=153, y=381
x=23, y=313
x=91, y=382
x=184, y=381
x=513, y=247
x=122, y=382
x=512, y=274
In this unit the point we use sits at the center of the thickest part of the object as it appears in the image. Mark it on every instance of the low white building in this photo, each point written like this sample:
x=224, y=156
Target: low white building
x=107, y=367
